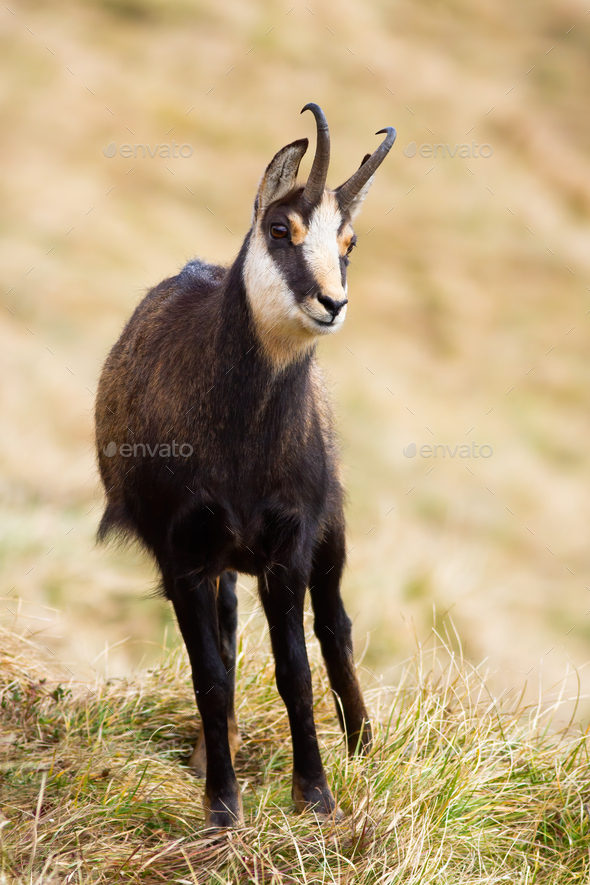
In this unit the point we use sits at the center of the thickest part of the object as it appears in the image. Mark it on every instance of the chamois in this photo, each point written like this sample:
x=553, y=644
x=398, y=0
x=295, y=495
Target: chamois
x=217, y=452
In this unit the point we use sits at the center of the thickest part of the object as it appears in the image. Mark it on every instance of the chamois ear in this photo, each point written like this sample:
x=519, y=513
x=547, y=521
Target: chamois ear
x=355, y=206
x=280, y=174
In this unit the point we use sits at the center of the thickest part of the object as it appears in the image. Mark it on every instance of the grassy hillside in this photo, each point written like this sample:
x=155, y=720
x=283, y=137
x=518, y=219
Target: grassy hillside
x=461, y=787
x=467, y=320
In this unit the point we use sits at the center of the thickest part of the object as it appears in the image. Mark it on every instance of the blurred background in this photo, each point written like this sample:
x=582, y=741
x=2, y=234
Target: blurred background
x=468, y=315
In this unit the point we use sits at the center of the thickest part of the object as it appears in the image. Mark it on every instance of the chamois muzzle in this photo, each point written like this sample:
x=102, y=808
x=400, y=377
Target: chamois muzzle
x=333, y=307
x=319, y=171
x=349, y=190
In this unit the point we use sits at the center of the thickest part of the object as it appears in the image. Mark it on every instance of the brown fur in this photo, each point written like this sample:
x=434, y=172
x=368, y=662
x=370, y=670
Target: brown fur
x=299, y=229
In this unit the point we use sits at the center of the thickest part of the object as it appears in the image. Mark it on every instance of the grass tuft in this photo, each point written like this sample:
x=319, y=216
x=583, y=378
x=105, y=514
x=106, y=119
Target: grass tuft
x=459, y=788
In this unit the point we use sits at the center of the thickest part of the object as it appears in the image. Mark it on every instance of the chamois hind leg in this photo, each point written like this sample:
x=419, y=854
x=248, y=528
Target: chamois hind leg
x=195, y=604
x=227, y=613
x=283, y=597
x=332, y=627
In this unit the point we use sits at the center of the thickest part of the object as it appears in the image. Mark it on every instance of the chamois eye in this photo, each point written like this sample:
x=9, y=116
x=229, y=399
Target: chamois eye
x=350, y=248
x=278, y=231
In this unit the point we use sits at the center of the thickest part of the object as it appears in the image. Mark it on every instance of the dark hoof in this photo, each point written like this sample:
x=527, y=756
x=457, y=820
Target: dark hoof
x=224, y=813
x=315, y=797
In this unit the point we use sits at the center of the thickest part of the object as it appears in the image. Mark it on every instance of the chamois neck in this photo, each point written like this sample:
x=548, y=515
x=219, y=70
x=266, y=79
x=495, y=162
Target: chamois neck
x=244, y=343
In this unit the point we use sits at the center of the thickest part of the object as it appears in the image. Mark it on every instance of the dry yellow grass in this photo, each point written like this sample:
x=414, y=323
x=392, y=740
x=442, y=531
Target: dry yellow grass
x=453, y=299
x=461, y=787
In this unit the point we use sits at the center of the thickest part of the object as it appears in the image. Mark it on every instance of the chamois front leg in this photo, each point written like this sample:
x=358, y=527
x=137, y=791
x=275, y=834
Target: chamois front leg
x=283, y=597
x=195, y=605
x=227, y=613
x=332, y=627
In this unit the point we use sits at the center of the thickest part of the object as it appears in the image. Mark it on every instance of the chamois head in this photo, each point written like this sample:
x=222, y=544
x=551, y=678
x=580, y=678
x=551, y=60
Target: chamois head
x=301, y=237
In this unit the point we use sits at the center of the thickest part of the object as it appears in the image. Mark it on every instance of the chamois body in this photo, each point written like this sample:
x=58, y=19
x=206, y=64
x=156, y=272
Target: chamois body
x=261, y=483
x=217, y=452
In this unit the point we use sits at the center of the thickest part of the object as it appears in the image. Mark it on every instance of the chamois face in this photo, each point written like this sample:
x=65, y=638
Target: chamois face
x=298, y=247
x=301, y=254
x=295, y=268
x=310, y=251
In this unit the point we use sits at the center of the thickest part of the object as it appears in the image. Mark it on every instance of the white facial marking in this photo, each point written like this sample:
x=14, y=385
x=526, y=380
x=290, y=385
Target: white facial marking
x=285, y=326
x=281, y=328
x=320, y=249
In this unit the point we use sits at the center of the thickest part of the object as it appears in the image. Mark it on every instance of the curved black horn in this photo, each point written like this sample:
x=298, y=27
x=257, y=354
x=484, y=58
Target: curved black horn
x=319, y=170
x=349, y=190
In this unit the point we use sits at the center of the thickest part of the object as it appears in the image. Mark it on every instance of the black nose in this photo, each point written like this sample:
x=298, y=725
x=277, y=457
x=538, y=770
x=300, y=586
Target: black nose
x=333, y=307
